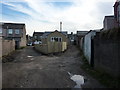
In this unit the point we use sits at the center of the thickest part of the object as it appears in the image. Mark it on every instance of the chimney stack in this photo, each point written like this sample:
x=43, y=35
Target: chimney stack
x=60, y=26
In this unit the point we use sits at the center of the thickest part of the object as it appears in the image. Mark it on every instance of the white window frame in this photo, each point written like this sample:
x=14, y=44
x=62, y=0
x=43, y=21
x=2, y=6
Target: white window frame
x=17, y=31
x=52, y=39
x=59, y=39
x=10, y=31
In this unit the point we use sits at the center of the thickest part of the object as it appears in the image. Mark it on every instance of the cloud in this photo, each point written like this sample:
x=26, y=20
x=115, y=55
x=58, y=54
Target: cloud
x=75, y=14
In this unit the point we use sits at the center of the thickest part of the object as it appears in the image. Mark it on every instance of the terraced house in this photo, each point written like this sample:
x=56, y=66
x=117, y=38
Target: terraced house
x=37, y=36
x=14, y=31
x=117, y=12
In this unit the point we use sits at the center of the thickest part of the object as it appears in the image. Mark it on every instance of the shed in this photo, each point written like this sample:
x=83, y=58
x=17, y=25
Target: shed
x=52, y=42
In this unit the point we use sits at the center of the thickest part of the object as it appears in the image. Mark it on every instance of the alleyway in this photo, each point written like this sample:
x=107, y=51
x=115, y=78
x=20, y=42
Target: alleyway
x=31, y=69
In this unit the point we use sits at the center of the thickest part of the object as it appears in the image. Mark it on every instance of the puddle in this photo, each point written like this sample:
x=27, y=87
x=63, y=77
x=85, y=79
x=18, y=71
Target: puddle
x=29, y=56
x=78, y=79
x=32, y=59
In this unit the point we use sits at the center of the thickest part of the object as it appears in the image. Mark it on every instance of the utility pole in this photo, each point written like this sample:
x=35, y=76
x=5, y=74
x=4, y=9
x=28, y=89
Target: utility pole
x=60, y=26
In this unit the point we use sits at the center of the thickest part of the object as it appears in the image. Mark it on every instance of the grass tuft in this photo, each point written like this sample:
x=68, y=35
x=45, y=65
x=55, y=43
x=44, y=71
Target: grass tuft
x=99, y=74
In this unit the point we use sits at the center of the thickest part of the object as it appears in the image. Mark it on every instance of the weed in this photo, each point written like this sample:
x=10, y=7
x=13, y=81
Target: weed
x=103, y=77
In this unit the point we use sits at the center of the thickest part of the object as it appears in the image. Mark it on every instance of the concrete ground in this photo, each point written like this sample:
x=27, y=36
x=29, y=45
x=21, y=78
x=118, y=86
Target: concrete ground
x=30, y=69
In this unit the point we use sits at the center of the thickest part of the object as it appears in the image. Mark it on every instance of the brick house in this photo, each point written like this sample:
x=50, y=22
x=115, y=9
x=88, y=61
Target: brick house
x=109, y=22
x=14, y=31
x=113, y=21
x=37, y=36
x=117, y=12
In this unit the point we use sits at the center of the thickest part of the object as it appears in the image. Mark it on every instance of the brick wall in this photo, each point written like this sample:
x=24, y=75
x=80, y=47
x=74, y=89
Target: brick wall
x=23, y=39
x=23, y=42
x=7, y=46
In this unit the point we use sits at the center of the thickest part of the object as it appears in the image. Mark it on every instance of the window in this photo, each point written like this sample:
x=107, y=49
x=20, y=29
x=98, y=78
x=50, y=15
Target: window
x=17, y=31
x=35, y=37
x=10, y=31
x=40, y=36
x=0, y=30
x=52, y=39
x=56, y=39
x=60, y=39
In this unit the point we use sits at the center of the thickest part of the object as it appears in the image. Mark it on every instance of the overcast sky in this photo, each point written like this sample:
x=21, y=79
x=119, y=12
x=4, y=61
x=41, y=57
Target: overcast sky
x=45, y=15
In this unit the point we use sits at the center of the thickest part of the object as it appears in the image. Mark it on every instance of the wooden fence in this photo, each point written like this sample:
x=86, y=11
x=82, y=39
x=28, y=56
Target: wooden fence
x=51, y=47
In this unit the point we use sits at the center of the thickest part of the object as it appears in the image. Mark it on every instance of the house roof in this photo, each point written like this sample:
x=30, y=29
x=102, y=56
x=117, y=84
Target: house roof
x=38, y=33
x=109, y=16
x=13, y=25
x=64, y=32
x=97, y=30
x=47, y=33
x=82, y=32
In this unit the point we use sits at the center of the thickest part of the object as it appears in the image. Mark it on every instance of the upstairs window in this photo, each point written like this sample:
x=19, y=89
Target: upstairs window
x=10, y=31
x=17, y=31
x=35, y=37
x=0, y=30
